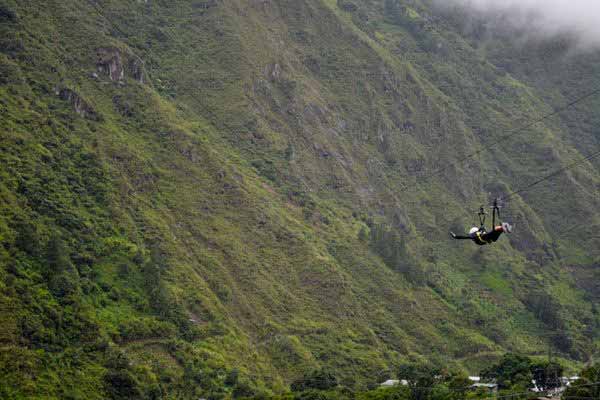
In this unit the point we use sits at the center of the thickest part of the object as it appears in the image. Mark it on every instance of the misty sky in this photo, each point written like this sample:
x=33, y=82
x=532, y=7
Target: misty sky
x=546, y=17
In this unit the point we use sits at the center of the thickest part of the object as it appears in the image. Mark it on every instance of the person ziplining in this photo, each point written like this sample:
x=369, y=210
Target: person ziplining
x=480, y=235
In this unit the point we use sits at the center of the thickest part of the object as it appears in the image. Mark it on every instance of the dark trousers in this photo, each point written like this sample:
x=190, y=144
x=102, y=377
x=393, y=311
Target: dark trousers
x=491, y=236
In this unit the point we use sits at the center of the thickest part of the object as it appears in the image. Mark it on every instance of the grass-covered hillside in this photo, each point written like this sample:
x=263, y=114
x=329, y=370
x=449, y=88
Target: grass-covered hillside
x=209, y=198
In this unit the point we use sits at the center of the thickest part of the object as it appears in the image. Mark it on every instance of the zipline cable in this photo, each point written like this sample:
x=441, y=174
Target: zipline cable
x=493, y=144
x=589, y=157
x=516, y=131
x=552, y=175
x=575, y=228
x=435, y=172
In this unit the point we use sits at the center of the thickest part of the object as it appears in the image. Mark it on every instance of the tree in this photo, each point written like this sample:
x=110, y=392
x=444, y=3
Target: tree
x=458, y=384
x=27, y=238
x=388, y=244
x=512, y=370
x=6, y=14
x=319, y=379
x=57, y=258
x=232, y=377
x=421, y=379
x=395, y=11
x=585, y=387
x=363, y=234
x=243, y=389
x=347, y=6
x=545, y=308
x=158, y=292
x=63, y=278
x=311, y=395
x=547, y=375
x=119, y=382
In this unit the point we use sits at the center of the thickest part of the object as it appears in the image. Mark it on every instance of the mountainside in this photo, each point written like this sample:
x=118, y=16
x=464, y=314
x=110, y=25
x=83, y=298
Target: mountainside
x=208, y=198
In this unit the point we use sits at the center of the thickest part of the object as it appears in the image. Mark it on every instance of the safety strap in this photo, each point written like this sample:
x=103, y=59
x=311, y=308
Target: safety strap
x=480, y=240
x=481, y=217
x=496, y=209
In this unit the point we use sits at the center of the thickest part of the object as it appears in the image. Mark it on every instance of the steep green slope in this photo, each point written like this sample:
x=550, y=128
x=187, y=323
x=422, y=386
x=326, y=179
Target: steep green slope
x=208, y=198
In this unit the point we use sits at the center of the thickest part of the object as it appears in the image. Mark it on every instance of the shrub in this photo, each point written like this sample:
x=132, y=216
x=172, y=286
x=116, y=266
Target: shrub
x=243, y=389
x=584, y=388
x=547, y=375
x=512, y=370
x=6, y=14
x=421, y=379
x=347, y=6
x=57, y=258
x=27, y=238
x=145, y=328
x=121, y=384
x=319, y=379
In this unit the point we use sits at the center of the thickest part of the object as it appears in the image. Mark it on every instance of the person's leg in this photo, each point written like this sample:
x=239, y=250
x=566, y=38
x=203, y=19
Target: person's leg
x=460, y=237
x=493, y=235
x=470, y=236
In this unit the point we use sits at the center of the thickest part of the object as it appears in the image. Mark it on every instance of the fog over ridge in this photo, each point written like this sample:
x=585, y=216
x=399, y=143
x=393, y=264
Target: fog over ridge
x=542, y=18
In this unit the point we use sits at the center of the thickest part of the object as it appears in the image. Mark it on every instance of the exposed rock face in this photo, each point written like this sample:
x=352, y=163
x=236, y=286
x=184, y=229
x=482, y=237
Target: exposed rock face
x=347, y=6
x=205, y=4
x=116, y=65
x=110, y=62
x=136, y=68
x=273, y=72
x=80, y=106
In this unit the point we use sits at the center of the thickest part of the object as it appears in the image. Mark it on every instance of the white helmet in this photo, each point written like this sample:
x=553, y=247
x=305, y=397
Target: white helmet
x=473, y=230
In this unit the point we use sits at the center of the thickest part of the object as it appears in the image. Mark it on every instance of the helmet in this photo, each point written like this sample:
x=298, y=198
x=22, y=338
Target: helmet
x=473, y=230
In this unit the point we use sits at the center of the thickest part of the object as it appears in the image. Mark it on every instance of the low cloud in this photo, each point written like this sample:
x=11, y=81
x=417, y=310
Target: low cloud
x=542, y=19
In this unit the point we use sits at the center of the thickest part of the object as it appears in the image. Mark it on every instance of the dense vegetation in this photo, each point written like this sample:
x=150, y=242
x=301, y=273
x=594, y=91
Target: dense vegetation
x=514, y=374
x=208, y=198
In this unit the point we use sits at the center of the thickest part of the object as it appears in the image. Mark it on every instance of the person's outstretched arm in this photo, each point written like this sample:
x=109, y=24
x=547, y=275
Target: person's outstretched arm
x=460, y=237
